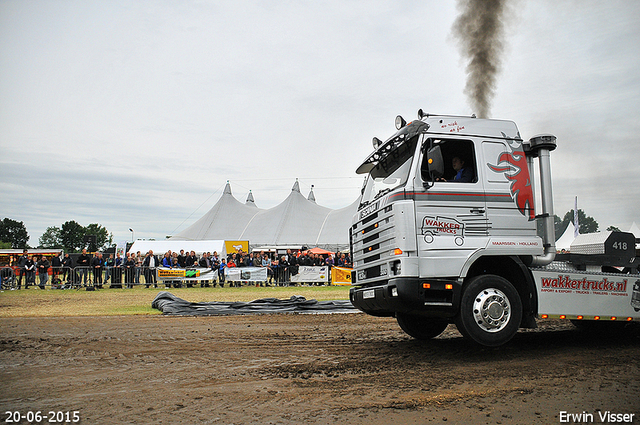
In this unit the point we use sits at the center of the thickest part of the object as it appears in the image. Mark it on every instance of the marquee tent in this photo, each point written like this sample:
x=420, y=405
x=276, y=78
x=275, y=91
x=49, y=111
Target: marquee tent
x=226, y=220
x=636, y=232
x=336, y=226
x=564, y=242
x=295, y=221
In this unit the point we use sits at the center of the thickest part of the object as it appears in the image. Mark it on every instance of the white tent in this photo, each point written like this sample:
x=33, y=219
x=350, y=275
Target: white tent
x=160, y=247
x=564, y=242
x=335, y=229
x=226, y=220
x=297, y=221
x=636, y=232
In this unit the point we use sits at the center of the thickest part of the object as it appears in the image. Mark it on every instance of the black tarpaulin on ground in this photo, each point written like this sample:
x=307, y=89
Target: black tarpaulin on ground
x=168, y=303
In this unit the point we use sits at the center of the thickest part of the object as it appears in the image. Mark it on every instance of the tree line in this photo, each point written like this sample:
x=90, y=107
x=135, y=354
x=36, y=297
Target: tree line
x=70, y=237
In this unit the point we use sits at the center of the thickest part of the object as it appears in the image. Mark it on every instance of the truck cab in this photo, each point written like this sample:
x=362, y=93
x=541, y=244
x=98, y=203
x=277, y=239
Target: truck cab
x=447, y=199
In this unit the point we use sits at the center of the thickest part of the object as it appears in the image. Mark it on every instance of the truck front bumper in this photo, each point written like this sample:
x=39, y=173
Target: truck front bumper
x=408, y=295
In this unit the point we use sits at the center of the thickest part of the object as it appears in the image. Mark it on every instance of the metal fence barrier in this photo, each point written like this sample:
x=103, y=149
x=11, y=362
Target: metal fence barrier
x=91, y=277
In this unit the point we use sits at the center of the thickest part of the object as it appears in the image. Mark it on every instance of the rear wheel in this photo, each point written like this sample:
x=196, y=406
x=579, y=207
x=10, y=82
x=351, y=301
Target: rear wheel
x=490, y=310
x=420, y=327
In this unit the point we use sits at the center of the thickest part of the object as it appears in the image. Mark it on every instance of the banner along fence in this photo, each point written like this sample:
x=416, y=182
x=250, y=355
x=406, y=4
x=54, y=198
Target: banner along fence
x=119, y=277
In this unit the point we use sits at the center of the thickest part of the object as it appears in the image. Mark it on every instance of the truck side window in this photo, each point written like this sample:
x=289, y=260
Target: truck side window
x=459, y=160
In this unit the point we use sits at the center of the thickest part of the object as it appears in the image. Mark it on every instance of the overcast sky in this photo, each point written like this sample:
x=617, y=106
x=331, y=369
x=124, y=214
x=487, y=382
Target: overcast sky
x=135, y=114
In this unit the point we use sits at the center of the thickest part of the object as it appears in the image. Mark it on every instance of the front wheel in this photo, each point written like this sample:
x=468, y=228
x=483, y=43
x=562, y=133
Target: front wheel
x=422, y=328
x=490, y=310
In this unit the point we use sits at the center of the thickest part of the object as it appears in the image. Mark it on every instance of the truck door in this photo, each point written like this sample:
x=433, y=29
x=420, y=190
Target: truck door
x=451, y=219
x=509, y=191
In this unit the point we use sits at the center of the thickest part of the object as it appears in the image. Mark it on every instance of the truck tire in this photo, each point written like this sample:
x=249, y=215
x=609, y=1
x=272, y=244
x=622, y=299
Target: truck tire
x=419, y=327
x=490, y=310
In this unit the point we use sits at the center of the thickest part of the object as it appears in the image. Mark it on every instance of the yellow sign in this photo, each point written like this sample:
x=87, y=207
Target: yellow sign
x=236, y=246
x=164, y=273
x=340, y=276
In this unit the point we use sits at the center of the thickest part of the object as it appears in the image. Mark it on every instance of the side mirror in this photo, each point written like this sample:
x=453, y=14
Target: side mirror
x=435, y=163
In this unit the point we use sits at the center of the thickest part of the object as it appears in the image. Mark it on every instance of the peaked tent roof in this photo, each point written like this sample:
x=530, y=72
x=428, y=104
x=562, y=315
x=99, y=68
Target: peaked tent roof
x=250, y=202
x=225, y=220
x=564, y=242
x=296, y=220
x=311, y=196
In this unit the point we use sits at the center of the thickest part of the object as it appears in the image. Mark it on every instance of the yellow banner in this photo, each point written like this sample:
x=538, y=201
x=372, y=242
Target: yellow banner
x=340, y=276
x=164, y=273
x=233, y=247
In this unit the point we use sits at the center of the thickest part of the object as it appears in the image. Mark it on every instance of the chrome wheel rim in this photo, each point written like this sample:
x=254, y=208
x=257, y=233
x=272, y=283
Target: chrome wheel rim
x=491, y=310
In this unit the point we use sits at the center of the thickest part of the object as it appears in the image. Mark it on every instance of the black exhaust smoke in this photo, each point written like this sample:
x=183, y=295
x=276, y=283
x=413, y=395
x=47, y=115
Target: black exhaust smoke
x=479, y=30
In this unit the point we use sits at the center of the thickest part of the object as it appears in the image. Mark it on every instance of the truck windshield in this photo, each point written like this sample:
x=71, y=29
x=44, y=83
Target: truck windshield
x=390, y=172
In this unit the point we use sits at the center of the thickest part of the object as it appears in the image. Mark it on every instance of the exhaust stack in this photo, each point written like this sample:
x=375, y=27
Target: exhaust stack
x=540, y=146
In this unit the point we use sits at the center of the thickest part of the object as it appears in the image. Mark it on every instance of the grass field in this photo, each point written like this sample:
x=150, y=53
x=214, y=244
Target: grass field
x=114, y=302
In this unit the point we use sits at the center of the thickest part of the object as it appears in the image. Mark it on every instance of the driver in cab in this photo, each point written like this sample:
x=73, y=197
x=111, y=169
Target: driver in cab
x=463, y=174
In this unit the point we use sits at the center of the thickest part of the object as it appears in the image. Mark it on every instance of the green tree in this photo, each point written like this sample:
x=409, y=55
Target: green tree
x=587, y=224
x=613, y=229
x=14, y=232
x=104, y=239
x=556, y=223
x=51, y=238
x=72, y=236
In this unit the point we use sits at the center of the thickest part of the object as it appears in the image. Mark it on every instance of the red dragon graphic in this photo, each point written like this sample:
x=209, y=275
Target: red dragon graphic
x=514, y=166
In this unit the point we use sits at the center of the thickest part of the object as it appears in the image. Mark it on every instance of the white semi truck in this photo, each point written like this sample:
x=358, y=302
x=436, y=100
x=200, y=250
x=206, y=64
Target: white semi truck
x=446, y=233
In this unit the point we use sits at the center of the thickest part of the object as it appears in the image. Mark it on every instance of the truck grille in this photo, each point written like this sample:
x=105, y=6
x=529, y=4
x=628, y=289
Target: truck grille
x=372, y=240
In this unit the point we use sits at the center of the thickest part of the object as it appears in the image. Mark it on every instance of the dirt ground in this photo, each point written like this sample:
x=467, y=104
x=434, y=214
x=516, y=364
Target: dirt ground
x=311, y=369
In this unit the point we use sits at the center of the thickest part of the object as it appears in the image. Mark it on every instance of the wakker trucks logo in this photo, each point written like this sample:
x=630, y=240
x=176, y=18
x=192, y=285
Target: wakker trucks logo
x=442, y=226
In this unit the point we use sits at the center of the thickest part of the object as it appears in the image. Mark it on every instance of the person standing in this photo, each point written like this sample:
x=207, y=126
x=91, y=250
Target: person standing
x=83, y=266
x=108, y=267
x=292, y=270
x=192, y=260
x=215, y=267
x=43, y=271
x=67, y=265
x=182, y=259
x=221, y=267
x=149, y=265
x=205, y=262
x=97, y=264
x=30, y=271
x=22, y=271
x=283, y=268
x=129, y=268
x=56, y=268
x=138, y=267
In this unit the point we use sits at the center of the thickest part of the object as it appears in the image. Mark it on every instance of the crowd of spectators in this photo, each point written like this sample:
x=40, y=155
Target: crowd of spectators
x=136, y=268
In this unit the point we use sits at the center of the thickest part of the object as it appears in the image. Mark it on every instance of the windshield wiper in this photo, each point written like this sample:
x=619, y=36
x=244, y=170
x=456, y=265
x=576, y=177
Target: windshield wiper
x=382, y=192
